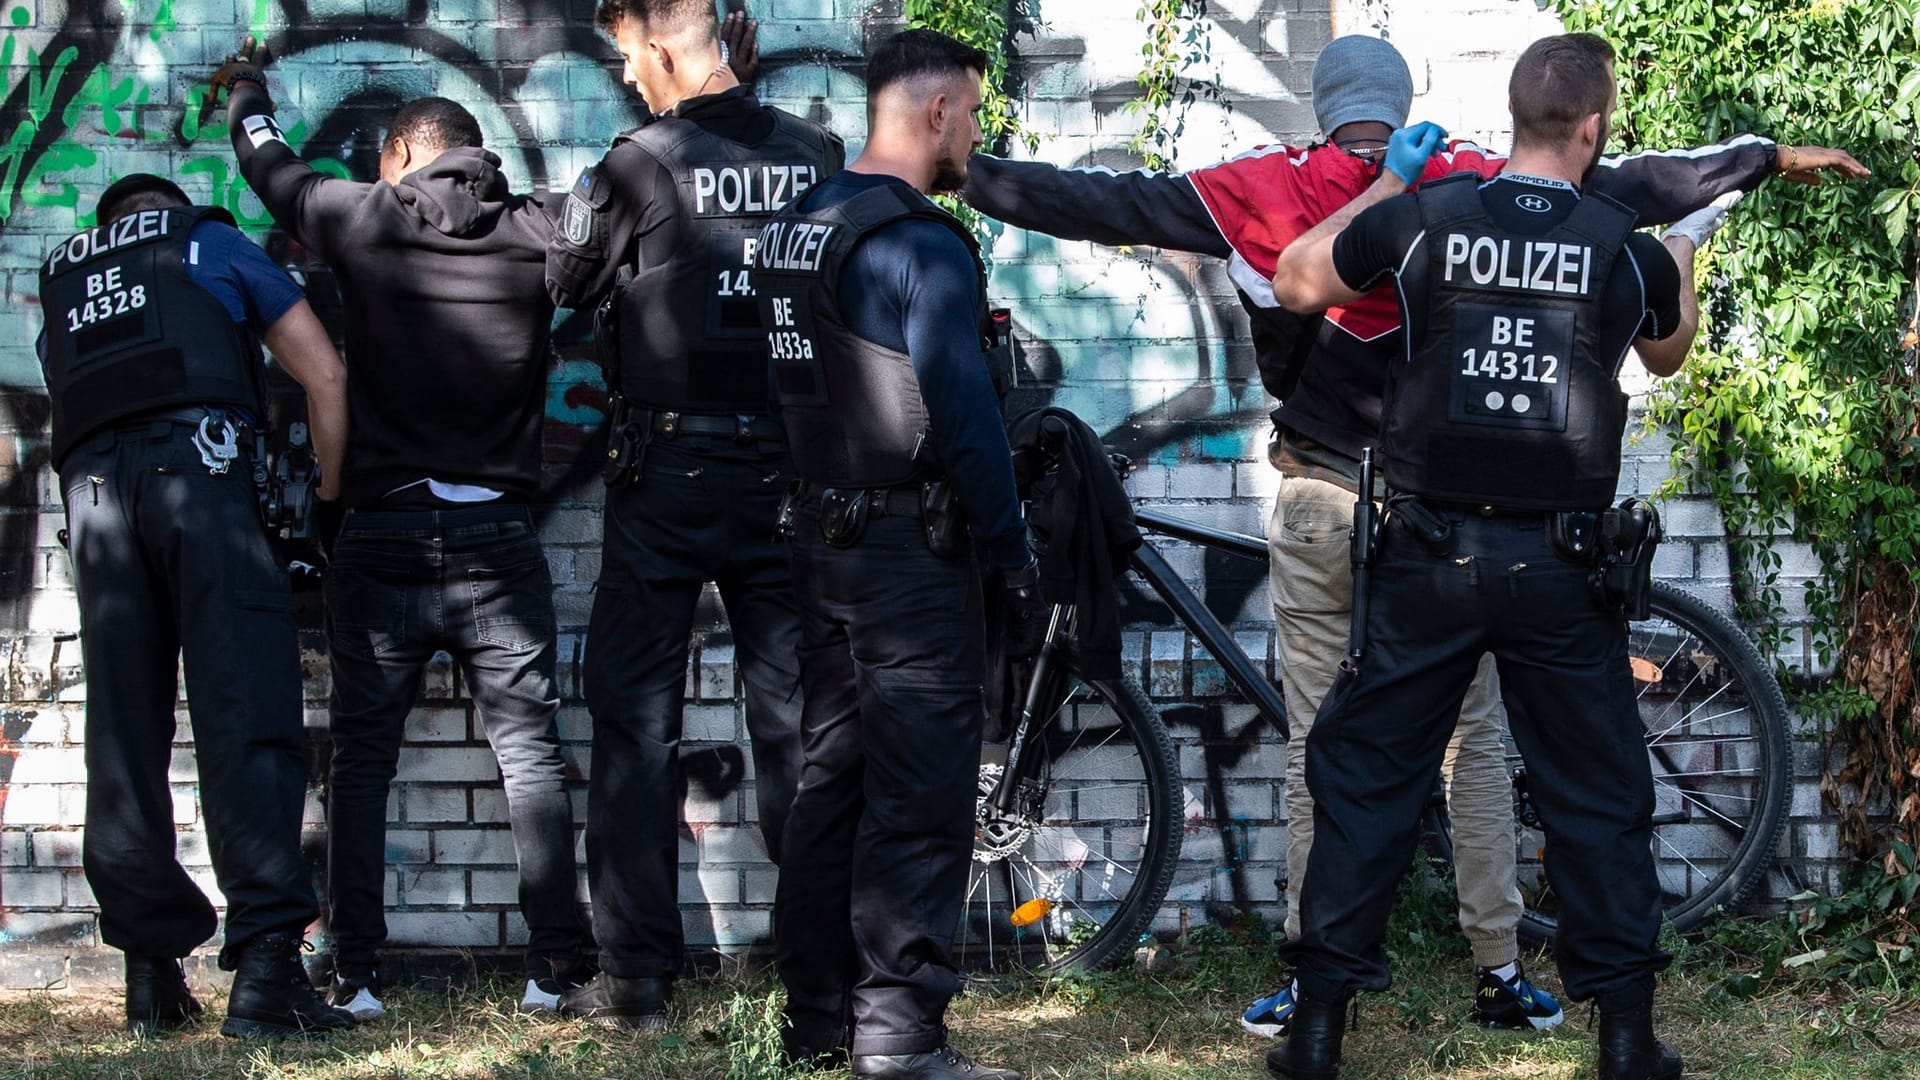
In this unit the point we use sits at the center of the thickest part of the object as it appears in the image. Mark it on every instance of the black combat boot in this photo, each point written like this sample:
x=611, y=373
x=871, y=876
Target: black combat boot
x=1628, y=1048
x=157, y=996
x=940, y=1063
x=1311, y=1050
x=640, y=1004
x=271, y=994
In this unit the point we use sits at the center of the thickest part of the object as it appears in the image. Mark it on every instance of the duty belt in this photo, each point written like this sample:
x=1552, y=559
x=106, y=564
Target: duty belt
x=881, y=502
x=1480, y=509
x=220, y=434
x=745, y=427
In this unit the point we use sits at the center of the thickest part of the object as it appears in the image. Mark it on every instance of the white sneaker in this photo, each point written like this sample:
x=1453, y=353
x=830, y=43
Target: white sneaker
x=543, y=995
x=356, y=996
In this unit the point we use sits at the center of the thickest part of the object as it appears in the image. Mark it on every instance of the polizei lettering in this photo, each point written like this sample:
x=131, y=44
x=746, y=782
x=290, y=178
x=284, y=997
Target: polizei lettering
x=797, y=246
x=748, y=189
x=1532, y=265
x=131, y=229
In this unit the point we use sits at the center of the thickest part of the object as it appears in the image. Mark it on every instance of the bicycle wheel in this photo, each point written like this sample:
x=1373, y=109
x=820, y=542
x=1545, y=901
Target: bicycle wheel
x=1717, y=738
x=1075, y=874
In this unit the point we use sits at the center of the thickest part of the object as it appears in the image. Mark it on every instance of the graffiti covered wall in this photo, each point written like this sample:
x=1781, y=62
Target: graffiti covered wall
x=1152, y=349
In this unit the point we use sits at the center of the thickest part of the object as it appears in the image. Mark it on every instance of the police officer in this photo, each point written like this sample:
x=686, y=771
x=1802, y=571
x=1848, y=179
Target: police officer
x=154, y=321
x=696, y=472
x=874, y=302
x=440, y=269
x=1501, y=447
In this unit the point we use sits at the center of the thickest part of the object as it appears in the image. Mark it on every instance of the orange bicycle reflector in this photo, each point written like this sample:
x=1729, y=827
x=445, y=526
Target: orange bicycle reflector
x=1031, y=912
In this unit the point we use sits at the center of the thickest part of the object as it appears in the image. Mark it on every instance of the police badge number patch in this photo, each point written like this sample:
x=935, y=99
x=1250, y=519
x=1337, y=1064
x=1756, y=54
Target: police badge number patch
x=1512, y=369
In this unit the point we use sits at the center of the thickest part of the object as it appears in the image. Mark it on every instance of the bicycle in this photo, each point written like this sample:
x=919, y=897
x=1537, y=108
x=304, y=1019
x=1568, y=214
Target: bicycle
x=1080, y=809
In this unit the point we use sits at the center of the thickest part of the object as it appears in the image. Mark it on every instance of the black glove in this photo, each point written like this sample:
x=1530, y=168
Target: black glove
x=1027, y=612
x=246, y=64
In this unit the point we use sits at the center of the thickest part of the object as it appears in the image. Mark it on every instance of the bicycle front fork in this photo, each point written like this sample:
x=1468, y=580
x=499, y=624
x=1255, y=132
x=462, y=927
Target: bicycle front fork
x=1044, y=690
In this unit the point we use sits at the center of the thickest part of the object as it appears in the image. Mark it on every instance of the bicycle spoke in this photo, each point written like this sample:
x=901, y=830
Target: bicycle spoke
x=1695, y=867
x=1724, y=687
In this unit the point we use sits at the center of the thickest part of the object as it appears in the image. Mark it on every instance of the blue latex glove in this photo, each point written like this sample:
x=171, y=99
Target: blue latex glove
x=1410, y=147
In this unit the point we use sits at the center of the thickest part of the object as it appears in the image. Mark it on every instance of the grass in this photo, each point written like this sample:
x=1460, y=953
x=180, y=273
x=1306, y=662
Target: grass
x=1177, y=1023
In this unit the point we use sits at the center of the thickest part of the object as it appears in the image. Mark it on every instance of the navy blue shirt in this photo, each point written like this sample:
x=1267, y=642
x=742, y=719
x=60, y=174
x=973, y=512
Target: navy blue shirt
x=254, y=290
x=913, y=286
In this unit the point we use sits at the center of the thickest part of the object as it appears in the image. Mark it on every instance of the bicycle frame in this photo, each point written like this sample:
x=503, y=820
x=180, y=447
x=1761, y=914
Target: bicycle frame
x=1201, y=622
x=1153, y=568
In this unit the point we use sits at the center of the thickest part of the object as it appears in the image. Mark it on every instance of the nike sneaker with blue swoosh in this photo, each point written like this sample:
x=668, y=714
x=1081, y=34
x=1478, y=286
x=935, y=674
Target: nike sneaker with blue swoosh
x=1516, y=1004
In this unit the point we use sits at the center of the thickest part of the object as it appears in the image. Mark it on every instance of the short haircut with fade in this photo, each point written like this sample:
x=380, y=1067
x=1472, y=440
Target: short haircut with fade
x=660, y=16
x=910, y=54
x=435, y=122
x=136, y=192
x=1557, y=83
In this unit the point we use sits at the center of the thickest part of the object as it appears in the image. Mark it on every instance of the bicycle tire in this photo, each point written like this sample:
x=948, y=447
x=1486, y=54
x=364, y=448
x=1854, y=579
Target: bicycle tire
x=1100, y=855
x=1717, y=823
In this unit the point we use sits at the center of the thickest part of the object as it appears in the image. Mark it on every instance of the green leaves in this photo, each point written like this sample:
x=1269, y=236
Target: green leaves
x=1799, y=410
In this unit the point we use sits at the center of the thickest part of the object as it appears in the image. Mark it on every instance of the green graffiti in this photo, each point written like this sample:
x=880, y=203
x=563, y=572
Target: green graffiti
x=41, y=86
x=57, y=158
x=163, y=20
x=111, y=96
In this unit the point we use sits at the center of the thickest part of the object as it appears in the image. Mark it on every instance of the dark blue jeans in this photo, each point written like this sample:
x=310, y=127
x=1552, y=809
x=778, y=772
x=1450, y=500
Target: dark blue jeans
x=170, y=562
x=403, y=585
x=893, y=660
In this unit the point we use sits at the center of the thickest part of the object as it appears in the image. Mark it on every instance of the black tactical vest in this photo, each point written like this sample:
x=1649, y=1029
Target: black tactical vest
x=852, y=409
x=1509, y=402
x=128, y=331
x=690, y=338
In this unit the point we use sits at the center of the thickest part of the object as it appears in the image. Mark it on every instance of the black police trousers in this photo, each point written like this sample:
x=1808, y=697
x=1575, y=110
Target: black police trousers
x=878, y=843
x=401, y=586
x=1374, y=752
x=171, y=566
x=702, y=509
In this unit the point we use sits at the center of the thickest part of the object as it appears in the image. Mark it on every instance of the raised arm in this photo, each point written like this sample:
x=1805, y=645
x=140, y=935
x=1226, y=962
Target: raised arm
x=1666, y=185
x=1100, y=205
x=294, y=192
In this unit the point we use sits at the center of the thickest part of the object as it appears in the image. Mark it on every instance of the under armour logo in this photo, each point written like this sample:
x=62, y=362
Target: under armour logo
x=1537, y=204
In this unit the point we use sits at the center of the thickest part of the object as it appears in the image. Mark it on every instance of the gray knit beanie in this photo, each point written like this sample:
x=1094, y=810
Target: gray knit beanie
x=1359, y=77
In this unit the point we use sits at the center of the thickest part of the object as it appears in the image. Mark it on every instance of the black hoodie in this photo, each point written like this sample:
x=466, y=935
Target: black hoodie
x=442, y=278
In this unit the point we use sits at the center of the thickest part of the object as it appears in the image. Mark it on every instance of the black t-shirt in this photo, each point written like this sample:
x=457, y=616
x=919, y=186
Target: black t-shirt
x=1642, y=297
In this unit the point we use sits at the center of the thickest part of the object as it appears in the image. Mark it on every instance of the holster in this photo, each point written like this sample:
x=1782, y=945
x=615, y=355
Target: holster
x=284, y=483
x=627, y=435
x=940, y=515
x=1623, y=581
x=843, y=515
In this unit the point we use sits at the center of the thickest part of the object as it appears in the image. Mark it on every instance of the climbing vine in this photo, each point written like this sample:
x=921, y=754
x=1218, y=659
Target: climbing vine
x=1175, y=40
x=1800, y=408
